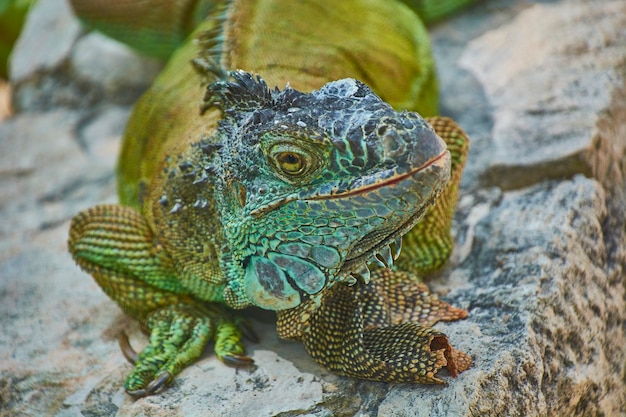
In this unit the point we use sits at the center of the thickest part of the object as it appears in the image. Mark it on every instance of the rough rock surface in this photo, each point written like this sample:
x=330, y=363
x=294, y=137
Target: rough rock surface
x=541, y=240
x=542, y=116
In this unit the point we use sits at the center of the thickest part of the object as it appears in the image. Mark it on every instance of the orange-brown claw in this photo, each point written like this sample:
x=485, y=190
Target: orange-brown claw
x=127, y=350
x=238, y=360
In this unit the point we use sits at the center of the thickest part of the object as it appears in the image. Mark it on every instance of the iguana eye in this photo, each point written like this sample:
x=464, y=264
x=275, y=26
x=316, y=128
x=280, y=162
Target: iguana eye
x=291, y=163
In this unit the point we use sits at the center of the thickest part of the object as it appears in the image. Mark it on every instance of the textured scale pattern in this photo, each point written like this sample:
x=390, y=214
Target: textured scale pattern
x=323, y=200
x=363, y=332
x=407, y=352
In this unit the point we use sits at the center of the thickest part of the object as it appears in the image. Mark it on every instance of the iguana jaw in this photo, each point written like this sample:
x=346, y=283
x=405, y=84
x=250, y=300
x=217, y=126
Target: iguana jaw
x=380, y=253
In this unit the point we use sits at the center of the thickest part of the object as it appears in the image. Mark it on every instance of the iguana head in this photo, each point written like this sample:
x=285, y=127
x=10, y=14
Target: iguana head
x=312, y=187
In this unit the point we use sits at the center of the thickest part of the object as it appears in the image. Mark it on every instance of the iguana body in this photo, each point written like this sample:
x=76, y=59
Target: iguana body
x=281, y=198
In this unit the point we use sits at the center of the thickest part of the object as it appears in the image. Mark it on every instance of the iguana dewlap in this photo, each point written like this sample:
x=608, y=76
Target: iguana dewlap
x=234, y=193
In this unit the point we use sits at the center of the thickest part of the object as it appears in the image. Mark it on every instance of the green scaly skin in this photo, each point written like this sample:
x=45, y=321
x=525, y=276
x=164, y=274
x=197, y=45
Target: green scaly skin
x=281, y=199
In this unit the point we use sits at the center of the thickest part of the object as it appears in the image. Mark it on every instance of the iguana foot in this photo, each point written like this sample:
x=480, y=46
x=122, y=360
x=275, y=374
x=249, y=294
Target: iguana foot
x=178, y=335
x=115, y=244
x=380, y=331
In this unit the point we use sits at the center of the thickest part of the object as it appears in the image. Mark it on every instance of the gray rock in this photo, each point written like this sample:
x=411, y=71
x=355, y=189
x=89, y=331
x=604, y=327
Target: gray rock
x=47, y=38
x=539, y=262
x=37, y=152
x=58, y=63
x=542, y=117
x=547, y=298
x=102, y=61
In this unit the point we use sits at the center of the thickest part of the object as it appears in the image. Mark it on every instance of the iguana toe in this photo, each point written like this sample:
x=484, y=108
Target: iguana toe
x=395, y=297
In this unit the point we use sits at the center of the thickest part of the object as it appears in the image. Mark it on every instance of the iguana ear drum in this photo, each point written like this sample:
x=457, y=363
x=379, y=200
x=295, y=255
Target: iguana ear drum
x=270, y=282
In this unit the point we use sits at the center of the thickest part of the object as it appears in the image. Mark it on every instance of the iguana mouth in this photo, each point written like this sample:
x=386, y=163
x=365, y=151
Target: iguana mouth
x=381, y=253
x=440, y=159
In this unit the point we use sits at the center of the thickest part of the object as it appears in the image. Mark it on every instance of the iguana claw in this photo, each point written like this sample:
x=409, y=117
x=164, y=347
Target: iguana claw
x=237, y=360
x=127, y=350
x=153, y=387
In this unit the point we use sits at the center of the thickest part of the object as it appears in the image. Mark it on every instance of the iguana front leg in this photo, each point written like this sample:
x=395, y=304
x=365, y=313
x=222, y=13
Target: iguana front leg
x=114, y=244
x=362, y=332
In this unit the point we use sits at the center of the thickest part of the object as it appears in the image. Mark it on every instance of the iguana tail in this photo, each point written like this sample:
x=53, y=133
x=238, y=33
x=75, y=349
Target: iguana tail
x=155, y=28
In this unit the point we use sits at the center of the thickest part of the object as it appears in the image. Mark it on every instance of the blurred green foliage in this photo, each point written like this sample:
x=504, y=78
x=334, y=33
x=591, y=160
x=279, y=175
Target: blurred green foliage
x=12, y=16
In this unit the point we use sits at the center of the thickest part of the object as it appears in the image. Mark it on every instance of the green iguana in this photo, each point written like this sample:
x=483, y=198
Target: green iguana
x=235, y=194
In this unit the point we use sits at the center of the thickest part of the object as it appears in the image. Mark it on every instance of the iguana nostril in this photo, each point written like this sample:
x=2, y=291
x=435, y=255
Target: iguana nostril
x=428, y=145
x=393, y=145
